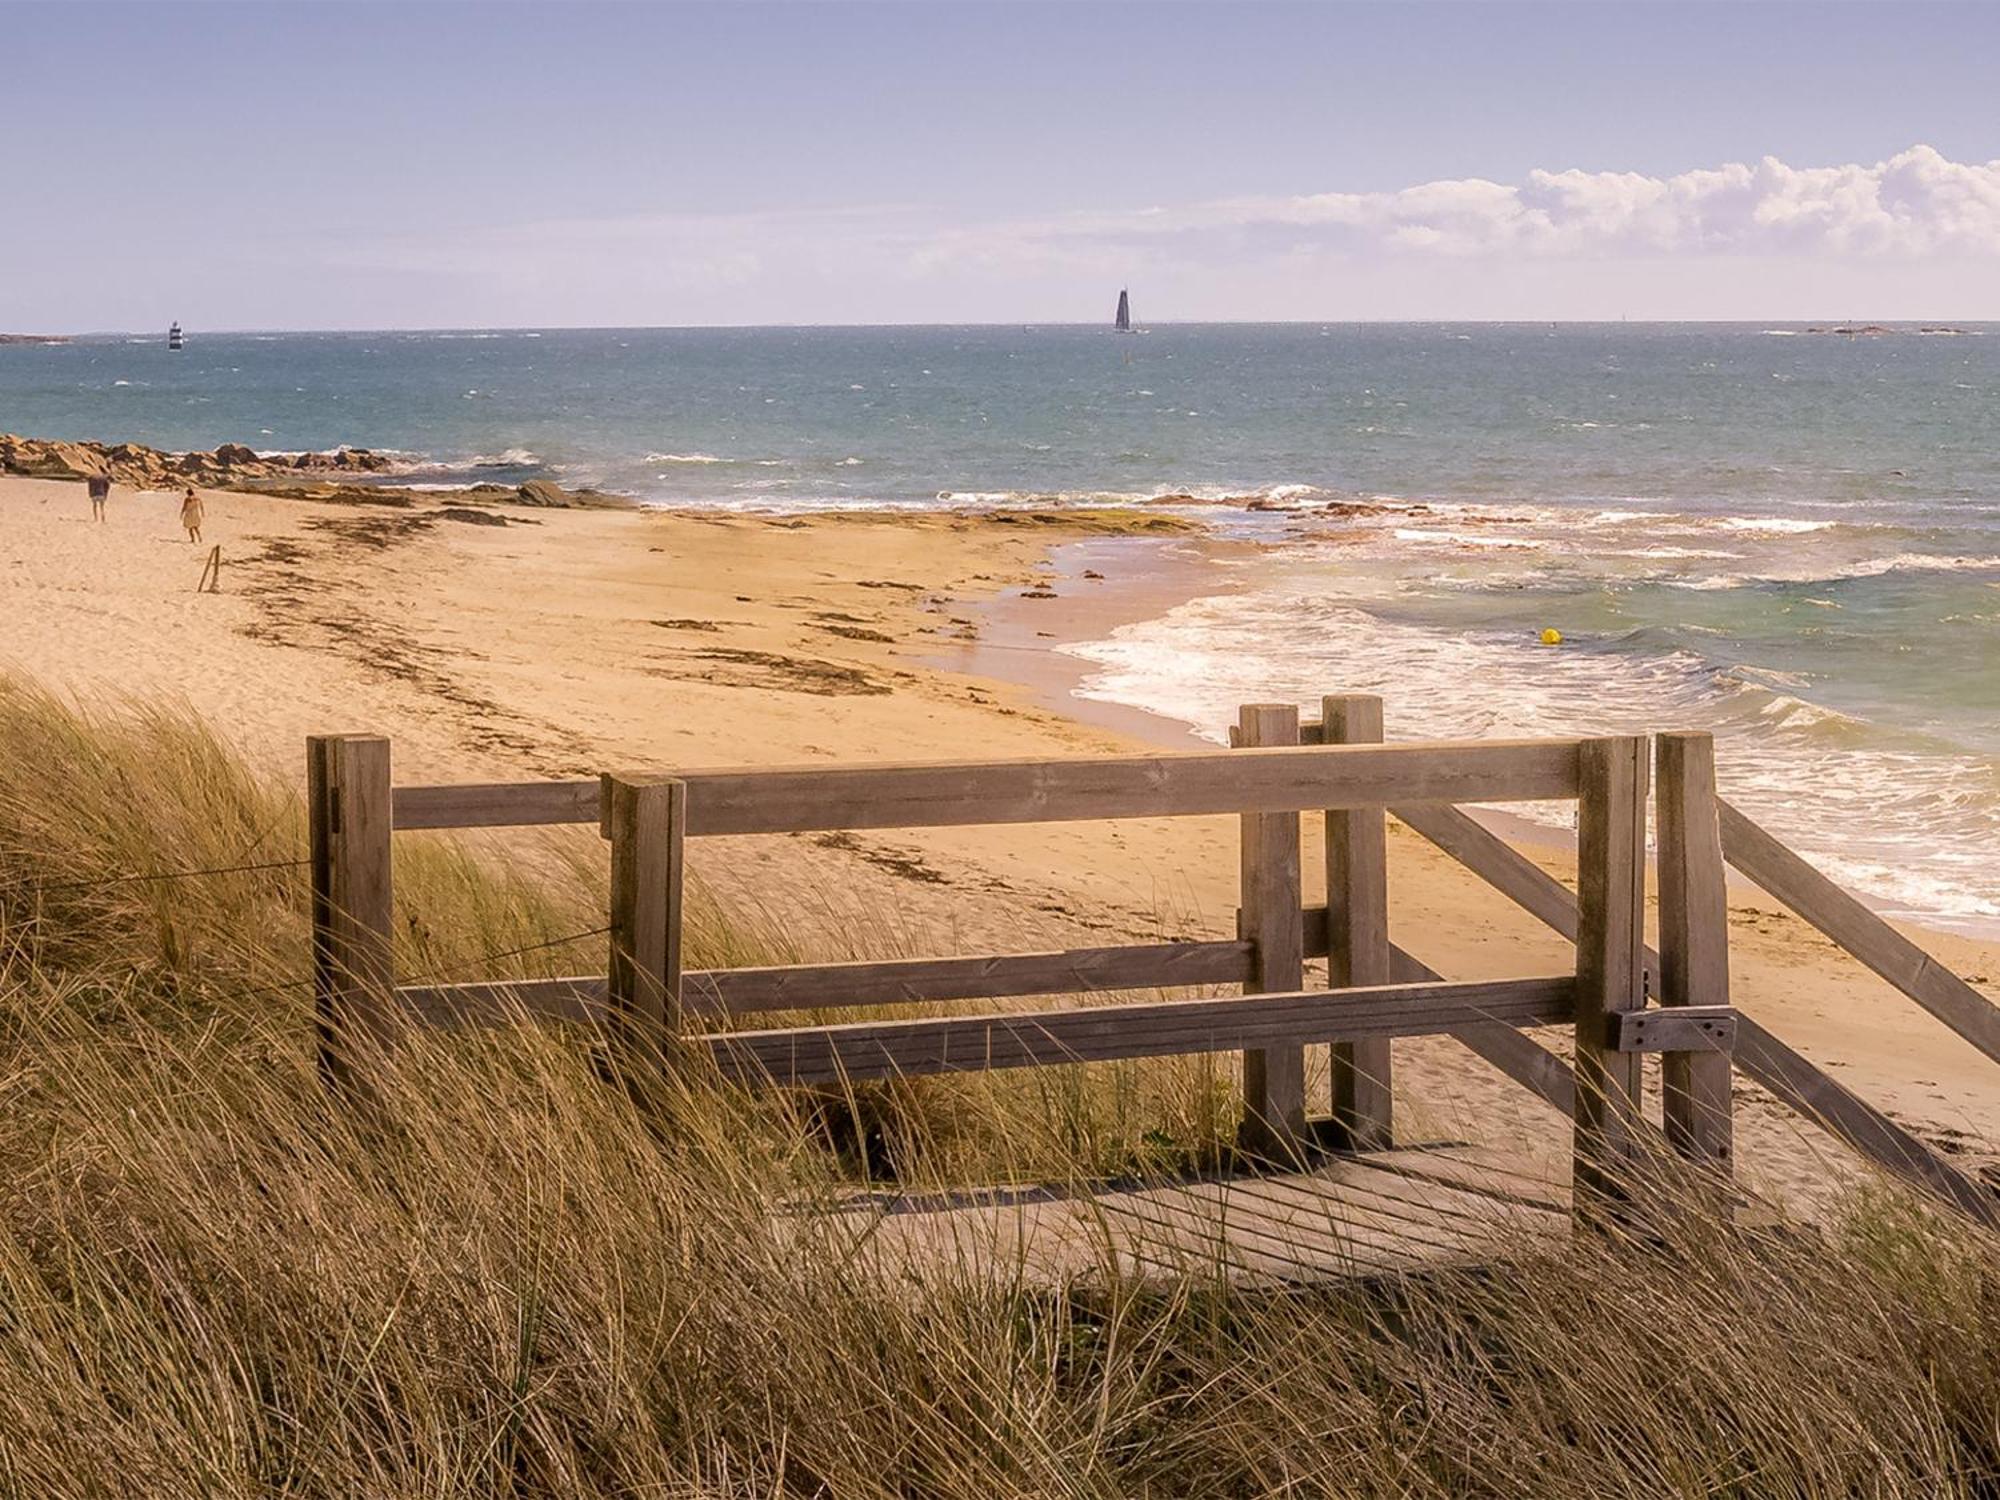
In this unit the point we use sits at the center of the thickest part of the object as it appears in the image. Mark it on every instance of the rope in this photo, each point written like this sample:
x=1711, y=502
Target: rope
x=437, y=976
x=561, y=942
x=111, y=880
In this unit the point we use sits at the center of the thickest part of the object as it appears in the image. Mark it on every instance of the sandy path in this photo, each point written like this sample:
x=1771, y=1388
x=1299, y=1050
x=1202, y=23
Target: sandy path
x=567, y=642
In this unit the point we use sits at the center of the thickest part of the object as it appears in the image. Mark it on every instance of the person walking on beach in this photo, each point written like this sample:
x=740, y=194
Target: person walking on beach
x=191, y=514
x=100, y=491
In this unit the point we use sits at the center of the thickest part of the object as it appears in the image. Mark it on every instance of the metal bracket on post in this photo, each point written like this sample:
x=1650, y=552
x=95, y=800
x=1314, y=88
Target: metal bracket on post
x=1690, y=1029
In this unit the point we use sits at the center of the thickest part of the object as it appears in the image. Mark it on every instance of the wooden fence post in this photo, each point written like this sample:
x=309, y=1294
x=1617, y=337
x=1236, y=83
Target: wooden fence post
x=1694, y=944
x=1274, y=1078
x=1610, y=968
x=1357, y=909
x=645, y=818
x=347, y=798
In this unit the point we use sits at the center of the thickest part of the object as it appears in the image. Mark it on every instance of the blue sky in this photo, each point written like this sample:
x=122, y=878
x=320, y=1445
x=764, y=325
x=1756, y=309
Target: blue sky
x=293, y=164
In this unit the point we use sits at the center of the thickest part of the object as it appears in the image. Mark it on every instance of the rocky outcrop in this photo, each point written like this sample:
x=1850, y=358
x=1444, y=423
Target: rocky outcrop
x=51, y=460
x=346, y=460
x=542, y=492
x=141, y=467
x=333, y=491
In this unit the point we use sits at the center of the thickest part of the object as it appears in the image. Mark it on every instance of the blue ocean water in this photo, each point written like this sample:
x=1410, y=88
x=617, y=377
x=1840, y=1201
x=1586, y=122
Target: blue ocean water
x=1791, y=538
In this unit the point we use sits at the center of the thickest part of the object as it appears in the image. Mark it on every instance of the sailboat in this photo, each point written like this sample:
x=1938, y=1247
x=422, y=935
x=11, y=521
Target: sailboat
x=174, y=337
x=1123, y=323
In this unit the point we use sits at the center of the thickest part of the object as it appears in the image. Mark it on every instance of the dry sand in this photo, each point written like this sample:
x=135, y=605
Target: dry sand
x=567, y=642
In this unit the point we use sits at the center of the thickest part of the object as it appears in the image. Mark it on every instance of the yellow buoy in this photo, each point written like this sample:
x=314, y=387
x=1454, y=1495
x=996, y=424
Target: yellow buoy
x=1552, y=637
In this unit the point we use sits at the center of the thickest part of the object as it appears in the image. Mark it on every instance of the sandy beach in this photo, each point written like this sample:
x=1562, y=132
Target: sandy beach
x=519, y=643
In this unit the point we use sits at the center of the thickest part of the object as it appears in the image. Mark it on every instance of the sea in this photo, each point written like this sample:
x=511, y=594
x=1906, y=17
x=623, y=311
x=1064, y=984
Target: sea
x=1786, y=536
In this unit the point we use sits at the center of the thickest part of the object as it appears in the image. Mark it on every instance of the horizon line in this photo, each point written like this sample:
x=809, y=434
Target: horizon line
x=1030, y=324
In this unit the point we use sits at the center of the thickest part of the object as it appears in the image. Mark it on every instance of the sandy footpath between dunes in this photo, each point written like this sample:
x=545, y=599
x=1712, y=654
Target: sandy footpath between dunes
x=567, y=642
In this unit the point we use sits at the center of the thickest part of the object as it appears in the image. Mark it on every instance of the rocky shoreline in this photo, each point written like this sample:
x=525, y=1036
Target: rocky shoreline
x=340, y=476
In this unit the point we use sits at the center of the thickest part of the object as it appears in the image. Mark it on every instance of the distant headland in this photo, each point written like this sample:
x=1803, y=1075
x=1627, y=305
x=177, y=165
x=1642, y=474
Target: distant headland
x=34, y=338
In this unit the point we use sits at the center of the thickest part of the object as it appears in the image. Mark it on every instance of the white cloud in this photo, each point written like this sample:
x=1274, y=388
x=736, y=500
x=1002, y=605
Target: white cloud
x=1913, y=235
x=1917, y=203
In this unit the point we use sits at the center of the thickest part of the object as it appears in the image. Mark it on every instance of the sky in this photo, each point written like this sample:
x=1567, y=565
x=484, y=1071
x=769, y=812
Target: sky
x=313, y=164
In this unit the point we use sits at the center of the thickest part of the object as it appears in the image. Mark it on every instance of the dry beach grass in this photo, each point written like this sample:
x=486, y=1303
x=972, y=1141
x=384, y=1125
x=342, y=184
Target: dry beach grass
x=511, y=1280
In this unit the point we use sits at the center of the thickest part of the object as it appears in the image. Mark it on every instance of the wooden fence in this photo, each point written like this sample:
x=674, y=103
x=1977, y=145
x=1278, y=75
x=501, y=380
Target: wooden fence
x=1277, y=770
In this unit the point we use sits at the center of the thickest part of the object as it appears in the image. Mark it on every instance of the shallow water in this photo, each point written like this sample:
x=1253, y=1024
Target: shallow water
x=1793, y=539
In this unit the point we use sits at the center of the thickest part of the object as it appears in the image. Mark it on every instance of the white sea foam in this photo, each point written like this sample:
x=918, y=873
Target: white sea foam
x=1666, y=553
x=1281, y=494
x=1467, y=539
x=684, y=458
x=1908, y=823
x=1774, y=525
x=1867, y=567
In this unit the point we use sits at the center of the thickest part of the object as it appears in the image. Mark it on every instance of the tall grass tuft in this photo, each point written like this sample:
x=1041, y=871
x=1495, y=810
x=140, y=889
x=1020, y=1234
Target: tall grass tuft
x=508, y=1280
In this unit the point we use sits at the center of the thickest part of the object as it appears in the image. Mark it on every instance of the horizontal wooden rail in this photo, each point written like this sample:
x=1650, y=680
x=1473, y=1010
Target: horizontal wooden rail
x=803, y=799
x=901, y=981
x=1147, y=966
x=1858, y=931
x=1789, y=1075
x=1520, y=1057
x=830, y=1054
x=510, y=804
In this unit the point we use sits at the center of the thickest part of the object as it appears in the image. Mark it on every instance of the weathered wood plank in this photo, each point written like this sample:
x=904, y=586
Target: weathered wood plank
x=514, y=804
x=1859, y=931
x=645, y=819
x=976, y=1043
x=1357, y=902
x=1274, y=1078
x=1286, y=779
x=347, y=795
x=1697, y=1108
x=899, y=981
x=1610, y=967
x=1708, y=1030
x=801, y=799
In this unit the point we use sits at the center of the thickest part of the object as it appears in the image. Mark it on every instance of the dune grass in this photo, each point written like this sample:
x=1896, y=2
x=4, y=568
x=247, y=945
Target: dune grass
x=508, y=1280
